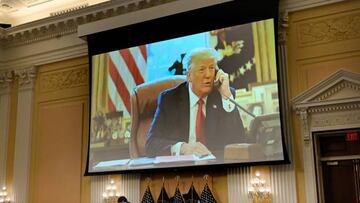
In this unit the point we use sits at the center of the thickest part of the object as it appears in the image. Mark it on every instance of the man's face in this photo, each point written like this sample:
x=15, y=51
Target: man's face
x=201, y=76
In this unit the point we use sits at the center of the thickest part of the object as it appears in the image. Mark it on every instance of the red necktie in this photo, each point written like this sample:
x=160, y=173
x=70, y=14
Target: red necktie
x=200, y=123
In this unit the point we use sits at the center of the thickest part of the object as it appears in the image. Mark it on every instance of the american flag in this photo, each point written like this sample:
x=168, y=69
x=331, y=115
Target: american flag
x=178, y=198
x=191, y=196
x=147, y=198
x=207, y=196
x=127, y=69
x=163, y=196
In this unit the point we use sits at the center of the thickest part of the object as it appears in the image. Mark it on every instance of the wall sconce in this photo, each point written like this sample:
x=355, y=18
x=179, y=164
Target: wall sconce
x=4, y=196
x=111, y=194
x=258, y=190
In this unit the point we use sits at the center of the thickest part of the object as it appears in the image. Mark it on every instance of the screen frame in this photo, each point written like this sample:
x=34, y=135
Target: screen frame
x=223, y=15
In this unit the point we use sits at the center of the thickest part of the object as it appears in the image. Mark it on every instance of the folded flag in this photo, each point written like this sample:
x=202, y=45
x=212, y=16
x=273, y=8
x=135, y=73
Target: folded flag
x=147, y=198
x=207, y=196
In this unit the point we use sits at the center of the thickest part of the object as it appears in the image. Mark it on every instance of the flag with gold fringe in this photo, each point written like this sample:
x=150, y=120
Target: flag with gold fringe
x=163, y=196
x=147, y=198
x=177, y=198
x=207, y=196
x=191, y=196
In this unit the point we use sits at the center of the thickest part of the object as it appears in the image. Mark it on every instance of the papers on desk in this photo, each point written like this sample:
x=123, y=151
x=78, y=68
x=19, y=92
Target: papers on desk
x=141, y=161
x=144, y=162
x=182, y=158
x=112, y=163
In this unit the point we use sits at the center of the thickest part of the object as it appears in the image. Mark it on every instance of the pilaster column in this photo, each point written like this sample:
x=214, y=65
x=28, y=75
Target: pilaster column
x=282, y=177
x=22, y=153
x=238, y=183
x=6, y=78
x=98, y=185
x=309, y=157
x=130, y=186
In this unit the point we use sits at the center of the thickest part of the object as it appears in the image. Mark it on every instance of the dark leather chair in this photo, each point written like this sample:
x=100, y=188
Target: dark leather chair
x=143, y=105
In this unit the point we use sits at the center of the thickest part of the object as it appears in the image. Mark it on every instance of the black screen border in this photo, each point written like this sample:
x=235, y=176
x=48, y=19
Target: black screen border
x=187, y=23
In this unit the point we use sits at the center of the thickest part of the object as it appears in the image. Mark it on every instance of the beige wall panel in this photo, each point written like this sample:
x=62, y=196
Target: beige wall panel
x=320, y=41
x=59, y=145
x=317, y=71
x=59, y=153
x=63, y=80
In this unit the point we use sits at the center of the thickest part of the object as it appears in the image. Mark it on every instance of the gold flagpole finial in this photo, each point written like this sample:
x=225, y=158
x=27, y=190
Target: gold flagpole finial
x=177, y=178
x=148, y=181
x=206, y=177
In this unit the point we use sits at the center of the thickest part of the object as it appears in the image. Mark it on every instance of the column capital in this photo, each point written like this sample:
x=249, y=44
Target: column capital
x=283, y=26
x=26, y=78
x=6, y=78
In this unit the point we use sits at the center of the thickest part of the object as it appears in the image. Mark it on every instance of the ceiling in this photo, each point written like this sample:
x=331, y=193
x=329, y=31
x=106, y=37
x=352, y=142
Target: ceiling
x=17, y=12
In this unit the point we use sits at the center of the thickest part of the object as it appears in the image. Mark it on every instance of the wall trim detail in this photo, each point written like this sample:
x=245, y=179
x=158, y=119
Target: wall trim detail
x=64, y=79
x=6, y=78
x=332, y=104
x=340, y=107
x=329, y=30
x=26, y=78
x=296, y=5
x=59, y=25
x=66, y=22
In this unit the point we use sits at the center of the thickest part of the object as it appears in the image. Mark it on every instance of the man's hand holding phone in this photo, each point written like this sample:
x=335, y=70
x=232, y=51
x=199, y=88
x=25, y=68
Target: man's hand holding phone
x=196, y=148
x=222, y=79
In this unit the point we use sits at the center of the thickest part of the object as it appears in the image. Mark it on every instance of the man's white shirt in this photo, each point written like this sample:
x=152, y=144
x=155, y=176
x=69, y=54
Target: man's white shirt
x=227, y=106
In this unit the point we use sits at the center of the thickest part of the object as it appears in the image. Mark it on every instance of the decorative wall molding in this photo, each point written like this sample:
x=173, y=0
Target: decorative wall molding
x=342, y=118
x=297, y=5
x=288, y=6
x=333, y=108
x=26, y=77
x=44, y=52
x=66, y=22
x=6, y=78
x=68, y=10
x=56, y=38
x=22, y=148
x=283, y=26
x=329, y=30
x=337, y=88
x=60, y=24
x=304, y=124
x=64, y=79
x=332, y=104
x=324, y=92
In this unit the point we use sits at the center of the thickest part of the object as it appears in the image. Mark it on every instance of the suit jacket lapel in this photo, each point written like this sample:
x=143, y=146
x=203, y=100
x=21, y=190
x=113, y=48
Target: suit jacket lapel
x=183, y=111
x=211, y=115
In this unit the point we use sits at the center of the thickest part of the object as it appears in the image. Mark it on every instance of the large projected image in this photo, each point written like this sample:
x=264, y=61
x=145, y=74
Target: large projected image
x=204, y=99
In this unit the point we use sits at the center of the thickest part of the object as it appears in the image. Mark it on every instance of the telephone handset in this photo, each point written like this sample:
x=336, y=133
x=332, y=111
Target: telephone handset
x=217, y=83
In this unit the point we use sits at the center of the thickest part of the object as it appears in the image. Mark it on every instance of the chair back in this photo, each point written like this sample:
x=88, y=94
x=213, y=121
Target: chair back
x=143, y=105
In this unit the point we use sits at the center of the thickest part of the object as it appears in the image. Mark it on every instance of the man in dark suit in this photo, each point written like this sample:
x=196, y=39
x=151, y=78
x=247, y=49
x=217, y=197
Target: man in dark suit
x=196, y=117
